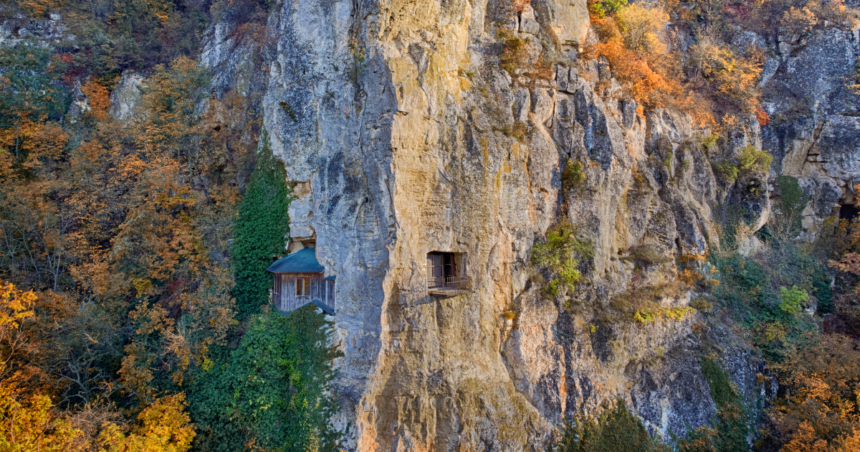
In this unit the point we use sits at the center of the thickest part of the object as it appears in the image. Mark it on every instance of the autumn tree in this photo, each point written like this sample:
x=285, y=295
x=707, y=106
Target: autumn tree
x=162, y=426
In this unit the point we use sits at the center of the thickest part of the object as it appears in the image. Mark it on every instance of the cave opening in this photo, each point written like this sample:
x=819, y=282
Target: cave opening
x=849, y=212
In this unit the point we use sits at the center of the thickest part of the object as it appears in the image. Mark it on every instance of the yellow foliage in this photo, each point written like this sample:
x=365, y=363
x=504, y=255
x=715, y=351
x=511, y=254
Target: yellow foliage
x=661, y=313
x=30, y=426
x=774, y=332
x=15, y=306
x=163, y=426
x=732, y=77
x=798, y=20
x=641, y=27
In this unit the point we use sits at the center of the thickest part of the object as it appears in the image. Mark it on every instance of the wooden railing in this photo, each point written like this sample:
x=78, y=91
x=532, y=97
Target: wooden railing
x=450, y=283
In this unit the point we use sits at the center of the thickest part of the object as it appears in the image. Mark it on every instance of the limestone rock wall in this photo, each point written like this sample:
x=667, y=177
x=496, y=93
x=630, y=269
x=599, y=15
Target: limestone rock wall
x=404, y=136
x=815, y=129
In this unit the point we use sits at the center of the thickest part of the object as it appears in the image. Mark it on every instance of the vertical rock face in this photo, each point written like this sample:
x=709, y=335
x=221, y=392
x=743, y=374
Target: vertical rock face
x=404, y=136
x=815, y=129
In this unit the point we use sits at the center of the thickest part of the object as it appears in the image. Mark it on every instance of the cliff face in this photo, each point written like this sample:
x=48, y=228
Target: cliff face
x=808, y=91
x=404, y=135
x=414, y=126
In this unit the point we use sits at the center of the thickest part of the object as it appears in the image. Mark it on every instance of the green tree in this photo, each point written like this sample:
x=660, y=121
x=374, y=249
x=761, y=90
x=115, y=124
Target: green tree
x=615, y=430
x=792, y=299
x=260, y=231
x=30, y=84
x=274, y=390
x=601, y=8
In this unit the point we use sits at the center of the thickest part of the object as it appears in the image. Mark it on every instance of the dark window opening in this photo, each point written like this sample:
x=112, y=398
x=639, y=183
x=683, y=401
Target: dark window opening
x=303, y=288
x=446, y=271
x=439, y=267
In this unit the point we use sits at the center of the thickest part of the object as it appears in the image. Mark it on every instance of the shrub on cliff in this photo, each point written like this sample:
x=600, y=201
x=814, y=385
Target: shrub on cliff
x=729, y=79
x=260, y=231
x=599, y=8
x=560, y=253
x=615, y=430
x=631, y=41
x=572, y=176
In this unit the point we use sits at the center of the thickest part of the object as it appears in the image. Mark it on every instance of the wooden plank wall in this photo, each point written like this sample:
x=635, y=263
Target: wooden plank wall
x=285, y=291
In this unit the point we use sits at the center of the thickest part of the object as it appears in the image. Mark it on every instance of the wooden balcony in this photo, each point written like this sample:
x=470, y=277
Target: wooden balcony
x=449, y=286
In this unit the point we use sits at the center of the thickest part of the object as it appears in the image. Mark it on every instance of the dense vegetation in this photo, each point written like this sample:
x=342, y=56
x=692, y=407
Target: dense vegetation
x=260, y=230
x=133, y=252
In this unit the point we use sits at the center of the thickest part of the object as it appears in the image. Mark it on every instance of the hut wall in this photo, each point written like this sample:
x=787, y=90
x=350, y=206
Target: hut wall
x=285, y=297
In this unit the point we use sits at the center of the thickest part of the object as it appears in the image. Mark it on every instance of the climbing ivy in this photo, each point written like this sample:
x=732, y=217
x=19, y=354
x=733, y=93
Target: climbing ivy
x=273, y=391
x=260, y=231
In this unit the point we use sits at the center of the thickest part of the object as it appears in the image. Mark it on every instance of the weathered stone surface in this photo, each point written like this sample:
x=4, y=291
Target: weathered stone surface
x=46, y=33
x=814, y=132
x=403, y=136
x=567, y=21
x=125, y=96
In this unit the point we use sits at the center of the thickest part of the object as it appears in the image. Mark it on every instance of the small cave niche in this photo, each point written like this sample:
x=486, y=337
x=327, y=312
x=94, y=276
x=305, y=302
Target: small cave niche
x=849, y=212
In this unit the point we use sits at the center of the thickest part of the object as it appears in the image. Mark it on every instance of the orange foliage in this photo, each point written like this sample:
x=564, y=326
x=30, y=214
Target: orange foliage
x=640, y=63
x=38, y=8
x=821, y=409
x=98, y=99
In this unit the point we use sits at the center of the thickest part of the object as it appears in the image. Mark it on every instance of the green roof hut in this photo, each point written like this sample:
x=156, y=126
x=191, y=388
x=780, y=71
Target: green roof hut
x=299, y=280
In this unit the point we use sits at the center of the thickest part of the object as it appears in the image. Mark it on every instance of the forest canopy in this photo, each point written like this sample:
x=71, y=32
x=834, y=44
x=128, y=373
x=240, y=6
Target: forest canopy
x=133, y=255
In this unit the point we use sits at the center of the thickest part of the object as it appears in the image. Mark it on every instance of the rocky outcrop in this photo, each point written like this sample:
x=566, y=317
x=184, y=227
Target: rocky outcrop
x=126, y=95
x=45, y=33
x=815, y=129
x=404, y=136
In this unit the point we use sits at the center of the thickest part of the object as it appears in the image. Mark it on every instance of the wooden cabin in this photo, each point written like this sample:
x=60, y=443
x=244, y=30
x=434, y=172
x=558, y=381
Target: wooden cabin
x=299, y=280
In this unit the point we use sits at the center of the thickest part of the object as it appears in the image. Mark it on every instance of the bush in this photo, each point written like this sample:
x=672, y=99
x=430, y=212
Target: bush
x=514, y=53
x=600, y=8
x=560, y=253
x=731, y=79
x=29, y=85
x=641, y=27
x=273, y=391
x=630, y=42
x=792, y=300
x=787, y=220
x=572, y=176
x=753, y=160
x=725, y=170
x=615, y=430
